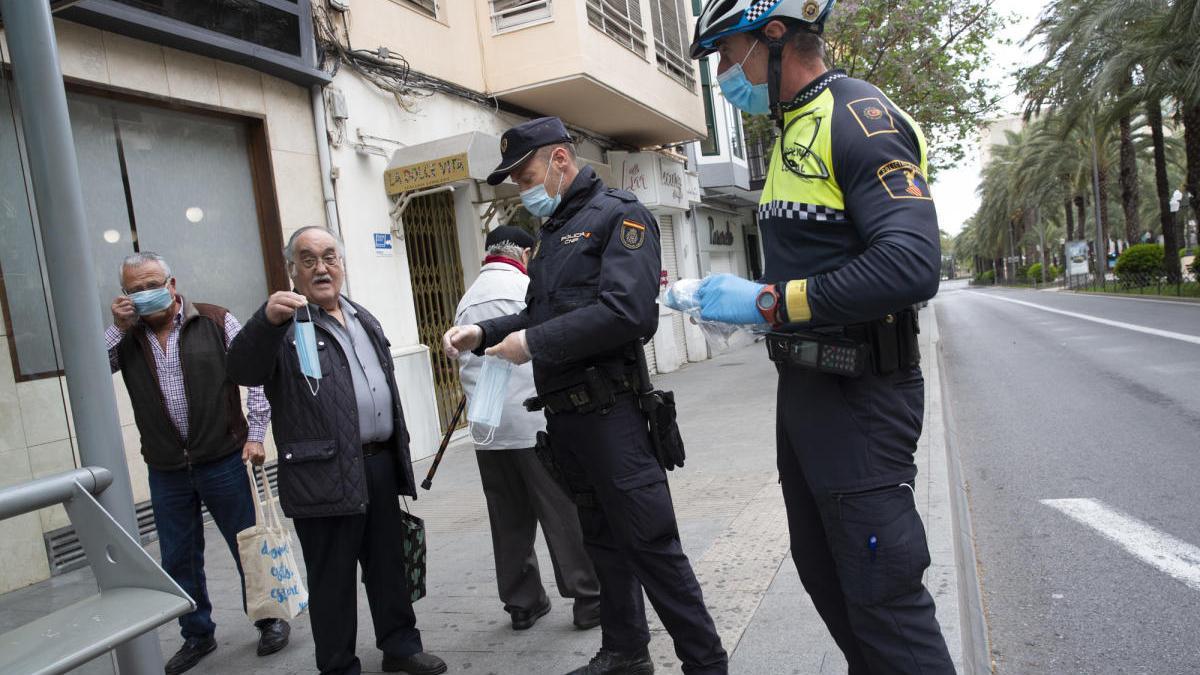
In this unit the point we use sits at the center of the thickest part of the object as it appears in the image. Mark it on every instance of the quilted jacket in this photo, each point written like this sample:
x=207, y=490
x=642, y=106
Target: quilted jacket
x=320, y=455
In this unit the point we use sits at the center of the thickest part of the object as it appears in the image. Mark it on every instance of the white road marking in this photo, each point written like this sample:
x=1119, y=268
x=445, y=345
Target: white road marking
x=1175, y=557
x=1182, y=337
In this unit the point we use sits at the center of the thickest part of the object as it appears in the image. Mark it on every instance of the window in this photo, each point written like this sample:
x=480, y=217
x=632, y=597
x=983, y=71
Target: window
x=671, y=41
x=508, y=14
x=734, y=119
x=426, y=7
x=712, y=144
x=621, y=20
x=697, y=6
x=178, y=183
x=250, y=20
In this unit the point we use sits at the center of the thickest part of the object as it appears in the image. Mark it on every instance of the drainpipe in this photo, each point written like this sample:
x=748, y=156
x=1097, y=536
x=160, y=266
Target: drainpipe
x=331, y=212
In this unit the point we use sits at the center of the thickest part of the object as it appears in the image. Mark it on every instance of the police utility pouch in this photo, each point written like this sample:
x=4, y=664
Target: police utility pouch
x=659, y=409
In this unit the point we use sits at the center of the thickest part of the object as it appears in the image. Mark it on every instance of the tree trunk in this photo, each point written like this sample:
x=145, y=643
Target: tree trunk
x=1081, y=207
x=1191, y=142
x=1069, y=211
x=1102, y=214
x=1130, y=200
x=1163, y=188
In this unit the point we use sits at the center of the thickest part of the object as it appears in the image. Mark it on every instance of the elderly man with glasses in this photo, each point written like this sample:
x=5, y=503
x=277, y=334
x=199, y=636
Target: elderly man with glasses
x=172, y=356
x=326, y=368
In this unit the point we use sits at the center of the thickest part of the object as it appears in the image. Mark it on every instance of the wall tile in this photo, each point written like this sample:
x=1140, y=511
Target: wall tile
x=192, y=77
x=12, y=429
x=136, y=65
x=43, y=412
x=240, y=87
x=290, y=119
x=81, y=51
x=298, y=186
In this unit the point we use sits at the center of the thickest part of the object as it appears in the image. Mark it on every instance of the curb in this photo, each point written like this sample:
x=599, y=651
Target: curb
x=976, y=648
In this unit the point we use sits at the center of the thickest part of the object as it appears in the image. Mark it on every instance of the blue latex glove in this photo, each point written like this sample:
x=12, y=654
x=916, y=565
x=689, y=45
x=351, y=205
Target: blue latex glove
x=730, y=299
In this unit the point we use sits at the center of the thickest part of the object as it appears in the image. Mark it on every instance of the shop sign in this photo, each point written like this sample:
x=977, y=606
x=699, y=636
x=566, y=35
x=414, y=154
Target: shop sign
x=655, y=180
x=720, y=237
x=427, y=174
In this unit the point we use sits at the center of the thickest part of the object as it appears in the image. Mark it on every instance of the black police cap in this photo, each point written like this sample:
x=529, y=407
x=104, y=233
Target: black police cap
x=509, y=233
x=520, y=142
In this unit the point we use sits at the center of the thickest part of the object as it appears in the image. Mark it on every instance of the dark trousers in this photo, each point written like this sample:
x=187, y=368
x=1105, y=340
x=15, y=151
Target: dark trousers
x=629, y=528
x=845, y=453
x=520, y=493
x=333, y=548
x=224, y=488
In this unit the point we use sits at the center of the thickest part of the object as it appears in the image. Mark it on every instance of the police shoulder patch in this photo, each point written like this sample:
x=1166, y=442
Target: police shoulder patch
x=873, y=116
x=633, y=235
x=904, y=180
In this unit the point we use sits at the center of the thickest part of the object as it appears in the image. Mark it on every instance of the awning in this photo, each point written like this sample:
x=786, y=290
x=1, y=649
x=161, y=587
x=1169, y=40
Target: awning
x=469, y=156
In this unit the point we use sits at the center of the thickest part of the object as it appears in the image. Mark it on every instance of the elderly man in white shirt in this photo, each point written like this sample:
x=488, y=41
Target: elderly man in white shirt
x=520, y=492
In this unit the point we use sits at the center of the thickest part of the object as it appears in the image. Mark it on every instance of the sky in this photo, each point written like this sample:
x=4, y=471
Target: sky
x=954, y=188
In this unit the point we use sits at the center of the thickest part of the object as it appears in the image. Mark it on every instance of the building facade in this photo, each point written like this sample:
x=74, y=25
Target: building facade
x=195, y=138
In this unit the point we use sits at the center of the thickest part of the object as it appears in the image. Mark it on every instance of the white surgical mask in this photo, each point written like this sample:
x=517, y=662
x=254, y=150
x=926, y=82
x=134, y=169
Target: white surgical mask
x=487, y=401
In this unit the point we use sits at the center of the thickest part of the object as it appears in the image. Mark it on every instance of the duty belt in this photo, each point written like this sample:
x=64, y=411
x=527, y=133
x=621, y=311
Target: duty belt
x=597, y=392
x=887, y=345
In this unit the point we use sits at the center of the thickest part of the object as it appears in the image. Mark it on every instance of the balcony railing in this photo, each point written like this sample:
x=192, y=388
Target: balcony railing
x=758, y=157
x=613, y=19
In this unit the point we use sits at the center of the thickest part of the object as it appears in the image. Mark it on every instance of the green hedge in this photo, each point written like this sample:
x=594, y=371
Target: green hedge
x=1141, y=260
x=987, y=277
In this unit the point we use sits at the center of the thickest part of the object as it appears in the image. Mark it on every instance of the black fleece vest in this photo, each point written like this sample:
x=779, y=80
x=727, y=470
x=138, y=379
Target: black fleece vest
x=216, y=425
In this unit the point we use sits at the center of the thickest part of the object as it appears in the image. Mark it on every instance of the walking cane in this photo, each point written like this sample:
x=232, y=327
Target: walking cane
x=437, y=459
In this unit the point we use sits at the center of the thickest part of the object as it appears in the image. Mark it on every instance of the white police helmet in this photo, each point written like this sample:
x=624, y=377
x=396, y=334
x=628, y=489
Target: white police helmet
x=726, y=17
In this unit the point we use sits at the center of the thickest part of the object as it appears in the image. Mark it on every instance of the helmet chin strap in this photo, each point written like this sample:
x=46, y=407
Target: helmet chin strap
x=775, y=78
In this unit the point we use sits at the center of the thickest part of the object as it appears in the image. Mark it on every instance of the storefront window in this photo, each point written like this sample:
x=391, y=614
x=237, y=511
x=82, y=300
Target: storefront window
x=172, y=182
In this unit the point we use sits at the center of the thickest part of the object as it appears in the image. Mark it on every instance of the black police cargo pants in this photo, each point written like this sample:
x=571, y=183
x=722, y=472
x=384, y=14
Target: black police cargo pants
x=845, y=453
x=629, y=529
x=333, y=549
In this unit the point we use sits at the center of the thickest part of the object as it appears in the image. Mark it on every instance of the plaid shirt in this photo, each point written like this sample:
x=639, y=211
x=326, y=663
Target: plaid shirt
x=170, y=375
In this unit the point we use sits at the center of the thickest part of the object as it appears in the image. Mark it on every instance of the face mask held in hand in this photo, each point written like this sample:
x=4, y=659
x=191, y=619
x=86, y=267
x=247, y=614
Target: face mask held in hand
x=487, y=402
x=735, y=86
x=306, y=350
x=151, y=301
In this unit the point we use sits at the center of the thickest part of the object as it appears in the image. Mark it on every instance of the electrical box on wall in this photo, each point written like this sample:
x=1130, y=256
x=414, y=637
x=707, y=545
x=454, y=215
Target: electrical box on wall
x=336, y=101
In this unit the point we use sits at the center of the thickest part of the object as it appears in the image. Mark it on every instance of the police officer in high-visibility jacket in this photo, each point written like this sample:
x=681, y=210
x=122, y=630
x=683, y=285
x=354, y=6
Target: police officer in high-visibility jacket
x=851, y=242
x=593, y=284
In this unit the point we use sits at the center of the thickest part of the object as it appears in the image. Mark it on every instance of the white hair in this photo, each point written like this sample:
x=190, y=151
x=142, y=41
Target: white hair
x=506, y=249
x=141, y=258
x=290, y=249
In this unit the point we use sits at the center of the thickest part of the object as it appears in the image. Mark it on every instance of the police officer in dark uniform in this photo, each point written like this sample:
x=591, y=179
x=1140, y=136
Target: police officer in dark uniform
x=851, y=242
x=591, y=303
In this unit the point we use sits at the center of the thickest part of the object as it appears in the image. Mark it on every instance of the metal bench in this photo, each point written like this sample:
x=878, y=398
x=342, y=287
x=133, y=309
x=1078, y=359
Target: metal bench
x=135, y=596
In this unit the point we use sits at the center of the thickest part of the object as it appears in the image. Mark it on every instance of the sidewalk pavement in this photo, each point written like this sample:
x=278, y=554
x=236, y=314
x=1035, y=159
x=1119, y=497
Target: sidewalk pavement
x=731, y=519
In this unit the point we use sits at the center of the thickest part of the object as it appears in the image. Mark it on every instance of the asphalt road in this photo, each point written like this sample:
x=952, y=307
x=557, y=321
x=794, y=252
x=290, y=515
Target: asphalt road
x=1049, y=406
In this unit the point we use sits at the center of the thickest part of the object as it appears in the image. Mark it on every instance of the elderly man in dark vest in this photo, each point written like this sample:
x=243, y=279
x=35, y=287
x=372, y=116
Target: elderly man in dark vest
x=171, y=354
x=325, y=366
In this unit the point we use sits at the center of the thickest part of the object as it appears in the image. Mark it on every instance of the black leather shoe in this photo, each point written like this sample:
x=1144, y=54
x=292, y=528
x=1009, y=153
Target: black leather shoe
x=272, y=635
x=422, y=663
x=587, y=614
x=609, y=662
x=523, y=619
x=193, y=649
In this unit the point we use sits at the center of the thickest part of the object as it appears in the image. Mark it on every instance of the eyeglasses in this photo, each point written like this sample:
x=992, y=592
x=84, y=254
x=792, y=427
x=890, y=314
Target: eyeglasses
x=309, y=262
x=152, y=286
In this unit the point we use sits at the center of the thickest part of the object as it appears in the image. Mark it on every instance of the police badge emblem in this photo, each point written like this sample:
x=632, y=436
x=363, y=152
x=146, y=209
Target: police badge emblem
x=633, y=235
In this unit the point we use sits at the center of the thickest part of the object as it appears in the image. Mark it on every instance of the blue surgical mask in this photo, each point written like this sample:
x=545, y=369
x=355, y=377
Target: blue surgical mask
x=487, y=401
x=737, y=89
x=151, y=301
x=539, y=202
x=306, y=351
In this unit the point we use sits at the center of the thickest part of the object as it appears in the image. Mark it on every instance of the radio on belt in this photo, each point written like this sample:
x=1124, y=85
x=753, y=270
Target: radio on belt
x=834, y=355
